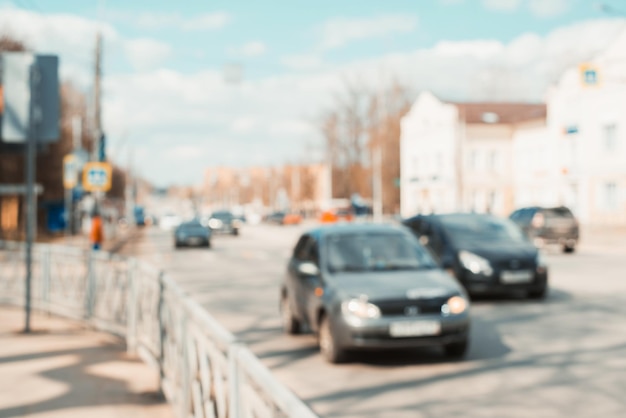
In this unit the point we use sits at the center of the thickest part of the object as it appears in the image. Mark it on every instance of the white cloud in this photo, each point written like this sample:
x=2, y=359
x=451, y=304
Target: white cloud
x=548, y=8
x=146, y=54
x=71, y=37
x=539, y=8
x=477, y=48
x=204, y=22
x=250, y=49
x=338, y=32
x=502, y=5
x=207, y=22
x=303, y=62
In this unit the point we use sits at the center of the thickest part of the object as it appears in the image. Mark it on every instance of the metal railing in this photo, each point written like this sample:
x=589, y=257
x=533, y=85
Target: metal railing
x=204, y=371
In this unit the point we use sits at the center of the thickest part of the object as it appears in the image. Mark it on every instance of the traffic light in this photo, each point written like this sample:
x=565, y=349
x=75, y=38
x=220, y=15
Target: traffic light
x=102, y=148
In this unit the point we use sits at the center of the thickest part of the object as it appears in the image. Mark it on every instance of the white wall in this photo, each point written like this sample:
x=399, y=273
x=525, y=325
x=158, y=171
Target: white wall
x=427, y=147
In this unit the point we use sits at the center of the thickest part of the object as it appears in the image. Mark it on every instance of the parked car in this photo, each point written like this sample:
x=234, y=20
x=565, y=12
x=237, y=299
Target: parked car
x=555, y=225
x=284, y=218
x=192, y=233
x=225, y=222
x=368, y=286
x=487, y=254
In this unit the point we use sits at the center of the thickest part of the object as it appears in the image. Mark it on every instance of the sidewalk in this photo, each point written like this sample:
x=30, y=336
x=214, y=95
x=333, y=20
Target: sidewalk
x=64, y=370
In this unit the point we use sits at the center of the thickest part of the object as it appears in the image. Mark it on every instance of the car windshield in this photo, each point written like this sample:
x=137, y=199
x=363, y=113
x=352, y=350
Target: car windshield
x=222, y=216
x=374, y=252
x=481, y=228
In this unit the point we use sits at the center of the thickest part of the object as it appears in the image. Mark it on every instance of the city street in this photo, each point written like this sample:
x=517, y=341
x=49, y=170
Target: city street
x=565, y=356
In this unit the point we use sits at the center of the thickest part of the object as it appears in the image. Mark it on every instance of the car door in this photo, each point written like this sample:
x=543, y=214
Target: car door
x=295, y=282
x=305, y=285
x=310, y=285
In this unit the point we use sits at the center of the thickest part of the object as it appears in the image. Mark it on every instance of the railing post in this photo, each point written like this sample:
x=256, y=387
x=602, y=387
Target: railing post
x=185, y=405
x=161, y=325
x=234, y=382
x=46, y=272
x=90, y=285
x=132, y=307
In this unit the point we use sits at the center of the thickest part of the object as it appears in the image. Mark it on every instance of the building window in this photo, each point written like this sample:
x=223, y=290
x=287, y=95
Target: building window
x=610, y=196
x=610, y=137
x=473, y=160
x=494, y=162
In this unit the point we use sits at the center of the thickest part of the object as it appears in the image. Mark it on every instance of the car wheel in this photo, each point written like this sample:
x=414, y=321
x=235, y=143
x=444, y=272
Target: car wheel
x=456, y=350
x=290, y=324
x=538, y=294
x=208, y=244
x=568, y=250
x=328, y=345
x=177, y=244
x=235, y=232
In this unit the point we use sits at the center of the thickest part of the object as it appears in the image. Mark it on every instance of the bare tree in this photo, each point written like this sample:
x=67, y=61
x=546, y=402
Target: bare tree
x=361, y=120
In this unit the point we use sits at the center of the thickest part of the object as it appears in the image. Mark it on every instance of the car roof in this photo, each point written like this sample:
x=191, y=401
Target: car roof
x=348, y=228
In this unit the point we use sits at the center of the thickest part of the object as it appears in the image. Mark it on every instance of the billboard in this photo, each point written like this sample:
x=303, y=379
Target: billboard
x=30, y=100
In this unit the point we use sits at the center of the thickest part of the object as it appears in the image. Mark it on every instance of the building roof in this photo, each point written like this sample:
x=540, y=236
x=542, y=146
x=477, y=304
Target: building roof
x=495, y=112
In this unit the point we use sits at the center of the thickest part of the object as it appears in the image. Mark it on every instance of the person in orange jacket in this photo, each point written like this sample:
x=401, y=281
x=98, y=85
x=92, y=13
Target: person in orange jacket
x=97, y=232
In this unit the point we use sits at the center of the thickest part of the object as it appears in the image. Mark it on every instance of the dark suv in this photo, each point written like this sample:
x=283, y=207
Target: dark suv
x=556, y=225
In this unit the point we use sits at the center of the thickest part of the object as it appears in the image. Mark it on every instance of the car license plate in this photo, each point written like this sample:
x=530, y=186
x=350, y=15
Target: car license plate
x=414, y=328
x=513, y=277
x=193, y=241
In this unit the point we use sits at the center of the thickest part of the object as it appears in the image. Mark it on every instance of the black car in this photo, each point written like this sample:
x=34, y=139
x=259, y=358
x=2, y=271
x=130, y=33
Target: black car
x=542, y=226
x=487, y=254
x=192, y=233
x=225, y=222
x=367, y=286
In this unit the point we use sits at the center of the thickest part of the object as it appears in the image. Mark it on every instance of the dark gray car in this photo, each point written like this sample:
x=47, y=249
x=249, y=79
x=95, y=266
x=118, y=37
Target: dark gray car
x=542, y=226
x=366, y=286
x=192, y=233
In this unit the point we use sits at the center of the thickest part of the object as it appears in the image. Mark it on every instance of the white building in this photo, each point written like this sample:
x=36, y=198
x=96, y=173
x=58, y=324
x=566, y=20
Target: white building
x=459, y=156
x=587, y=130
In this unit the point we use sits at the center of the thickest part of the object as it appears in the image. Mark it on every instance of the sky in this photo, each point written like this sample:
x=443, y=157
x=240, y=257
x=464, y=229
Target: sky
x=170, y=112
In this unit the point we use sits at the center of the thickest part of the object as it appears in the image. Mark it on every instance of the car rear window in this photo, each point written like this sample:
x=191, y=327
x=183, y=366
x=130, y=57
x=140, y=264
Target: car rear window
x=558, y=213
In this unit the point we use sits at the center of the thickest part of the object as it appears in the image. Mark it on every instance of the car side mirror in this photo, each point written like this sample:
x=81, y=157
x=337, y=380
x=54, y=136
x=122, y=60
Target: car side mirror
x=309, y=269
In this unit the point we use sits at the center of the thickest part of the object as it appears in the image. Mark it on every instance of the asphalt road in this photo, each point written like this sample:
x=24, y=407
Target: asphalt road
x=562, y=357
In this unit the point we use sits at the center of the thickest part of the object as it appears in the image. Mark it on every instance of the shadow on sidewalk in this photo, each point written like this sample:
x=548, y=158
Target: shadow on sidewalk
x=94, y=369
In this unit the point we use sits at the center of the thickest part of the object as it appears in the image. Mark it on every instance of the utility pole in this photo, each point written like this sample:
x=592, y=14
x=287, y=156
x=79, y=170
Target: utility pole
x=97, y=97
x=31, y=200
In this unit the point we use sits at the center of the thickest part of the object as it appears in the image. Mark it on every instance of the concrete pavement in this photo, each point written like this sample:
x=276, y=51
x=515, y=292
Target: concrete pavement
x=63, y=369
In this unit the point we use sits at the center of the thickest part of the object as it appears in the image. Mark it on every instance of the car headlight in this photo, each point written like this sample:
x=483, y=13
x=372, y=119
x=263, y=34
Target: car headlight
x=215, y=223
x=541, y=261
x=542, y=266
x=454, y=306
x=360, y=308
x=474, y=263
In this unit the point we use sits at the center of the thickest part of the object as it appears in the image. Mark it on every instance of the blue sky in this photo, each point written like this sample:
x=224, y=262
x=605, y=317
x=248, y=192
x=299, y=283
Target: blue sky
x=167, y=107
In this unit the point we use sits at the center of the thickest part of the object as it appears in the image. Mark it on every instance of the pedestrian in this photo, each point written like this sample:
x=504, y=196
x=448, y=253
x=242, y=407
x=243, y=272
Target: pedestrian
x=97, y=234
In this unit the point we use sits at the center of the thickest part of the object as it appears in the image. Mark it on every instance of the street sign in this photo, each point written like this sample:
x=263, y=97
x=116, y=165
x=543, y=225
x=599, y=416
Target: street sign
x=97, y=177
x=70, y=171
x=589, y=75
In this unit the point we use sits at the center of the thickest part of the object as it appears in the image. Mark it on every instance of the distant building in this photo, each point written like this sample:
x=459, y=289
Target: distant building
x=459, y=156
x=302, y=188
